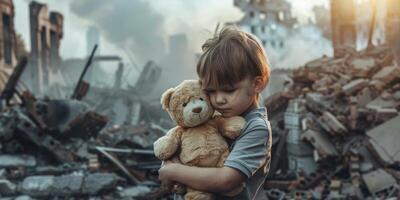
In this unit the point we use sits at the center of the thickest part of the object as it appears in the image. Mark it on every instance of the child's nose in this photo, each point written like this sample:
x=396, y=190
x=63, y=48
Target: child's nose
x=220, y=99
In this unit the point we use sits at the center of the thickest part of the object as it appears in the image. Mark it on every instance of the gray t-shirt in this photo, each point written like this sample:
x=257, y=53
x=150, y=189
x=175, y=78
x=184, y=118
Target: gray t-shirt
x=251, y=155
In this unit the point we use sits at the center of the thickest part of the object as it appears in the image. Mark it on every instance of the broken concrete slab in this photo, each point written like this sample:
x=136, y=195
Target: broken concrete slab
x=364, y=97
x=24, y=197
x=396, y=96
x=37, y=185
x=7, y=187
x=381, y=140
x=354, y=86
x=387, y=74
x=330, y=123
x=3, y=173
x=378, y=181
x=379, y=102
x=66, y=185
x=362, y=66
x=7, y=161
x=315, y=102
x=134, y=191
x=320, y=142
x=93, y=183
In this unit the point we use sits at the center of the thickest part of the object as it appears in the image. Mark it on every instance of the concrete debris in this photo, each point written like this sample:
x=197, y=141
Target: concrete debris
x=68, y=185
x=135, y=191
x=348, y=115
x=354, y=86
x=7, y=187
x=17, y=161
x=64, y=148
x=378, y=181
x=331, y=124
x=45, y=155
x=381, y=141
x=321, y=143
x=335, y=126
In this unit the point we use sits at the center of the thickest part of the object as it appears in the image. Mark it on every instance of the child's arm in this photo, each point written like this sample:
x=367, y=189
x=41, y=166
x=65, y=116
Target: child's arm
x=218, y=180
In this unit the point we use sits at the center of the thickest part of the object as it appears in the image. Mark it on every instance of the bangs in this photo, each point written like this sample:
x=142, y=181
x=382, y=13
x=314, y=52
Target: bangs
x=224, y=65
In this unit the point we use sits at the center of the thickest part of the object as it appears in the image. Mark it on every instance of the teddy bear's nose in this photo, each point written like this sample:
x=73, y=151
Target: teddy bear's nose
x=196, y=110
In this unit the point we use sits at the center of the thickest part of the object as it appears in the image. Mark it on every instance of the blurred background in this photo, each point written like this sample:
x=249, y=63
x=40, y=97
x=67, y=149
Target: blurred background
x=81, y=83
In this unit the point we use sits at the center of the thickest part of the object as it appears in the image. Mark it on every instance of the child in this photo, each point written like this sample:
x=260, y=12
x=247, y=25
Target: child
x=233, y=70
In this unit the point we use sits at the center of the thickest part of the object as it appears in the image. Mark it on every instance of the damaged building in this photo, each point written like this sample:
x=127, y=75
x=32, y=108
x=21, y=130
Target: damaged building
x=335, y=123
x=344, y=31
x=271, y=21
x=8, y=46
x=46, y=31
x=338, y=119
x=72, y=147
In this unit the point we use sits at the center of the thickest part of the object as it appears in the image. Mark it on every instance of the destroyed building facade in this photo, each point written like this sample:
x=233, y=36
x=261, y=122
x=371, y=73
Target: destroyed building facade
x=8, y=37
x=335, y=129
x=392, y=22
x=343, y=23
x=270, y=21
x=46, y=32
x=8, y=46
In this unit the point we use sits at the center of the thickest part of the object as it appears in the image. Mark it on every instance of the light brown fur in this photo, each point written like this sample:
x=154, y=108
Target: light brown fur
x=203, y=145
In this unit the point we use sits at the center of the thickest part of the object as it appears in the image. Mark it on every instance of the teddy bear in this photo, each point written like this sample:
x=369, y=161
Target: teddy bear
x=199, y=137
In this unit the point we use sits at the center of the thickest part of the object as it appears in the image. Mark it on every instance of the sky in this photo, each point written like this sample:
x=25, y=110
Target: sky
x=196, y=18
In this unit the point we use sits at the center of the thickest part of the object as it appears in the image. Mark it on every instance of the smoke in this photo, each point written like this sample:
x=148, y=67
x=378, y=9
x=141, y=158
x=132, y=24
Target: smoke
x=306, y=44
x=302, y=45
x=128, y=24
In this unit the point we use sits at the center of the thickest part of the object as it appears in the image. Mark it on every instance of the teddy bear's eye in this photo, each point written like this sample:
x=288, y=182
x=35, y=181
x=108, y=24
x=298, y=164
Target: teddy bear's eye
x=201, y=99
x=184, y=104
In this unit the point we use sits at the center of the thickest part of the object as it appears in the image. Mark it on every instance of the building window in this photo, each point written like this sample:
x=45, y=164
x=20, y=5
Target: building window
x=262, y=16
x=53, y=49
x=264, y=43
x=251, y=14
x=253, y=29
x=281, y=44
x=273, y=43
x=263, y=29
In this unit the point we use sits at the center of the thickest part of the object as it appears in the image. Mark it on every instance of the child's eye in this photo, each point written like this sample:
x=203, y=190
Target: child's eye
x=229, y=90
x=208, y=92
x=184, y=104
x=201, y=99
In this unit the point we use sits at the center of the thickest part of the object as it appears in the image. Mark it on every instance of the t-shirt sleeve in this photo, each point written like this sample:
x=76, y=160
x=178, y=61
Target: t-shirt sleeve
x=250, y=150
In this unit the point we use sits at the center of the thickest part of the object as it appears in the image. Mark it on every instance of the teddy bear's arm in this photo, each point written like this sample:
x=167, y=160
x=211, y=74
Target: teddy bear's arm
x=230, y=127
x=167, y=145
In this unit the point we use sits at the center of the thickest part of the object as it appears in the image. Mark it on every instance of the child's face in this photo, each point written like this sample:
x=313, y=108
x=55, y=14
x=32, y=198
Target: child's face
x=233, y=100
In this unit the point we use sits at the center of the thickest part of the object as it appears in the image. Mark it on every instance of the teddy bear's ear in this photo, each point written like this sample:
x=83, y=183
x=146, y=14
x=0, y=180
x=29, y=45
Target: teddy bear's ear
x=166, y=96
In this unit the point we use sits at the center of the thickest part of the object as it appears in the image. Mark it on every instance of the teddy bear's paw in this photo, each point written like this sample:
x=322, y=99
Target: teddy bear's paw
x=198, y=195
x=164, y=148
x=233, y=127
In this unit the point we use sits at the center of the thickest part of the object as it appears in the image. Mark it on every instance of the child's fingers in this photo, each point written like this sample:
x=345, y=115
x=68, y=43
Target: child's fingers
x=175, y=159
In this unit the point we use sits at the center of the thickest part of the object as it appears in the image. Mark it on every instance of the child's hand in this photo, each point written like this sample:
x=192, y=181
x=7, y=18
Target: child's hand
x=167, y=168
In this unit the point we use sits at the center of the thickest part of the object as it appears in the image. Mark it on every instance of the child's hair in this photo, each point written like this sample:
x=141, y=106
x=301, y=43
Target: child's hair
x=231, y=56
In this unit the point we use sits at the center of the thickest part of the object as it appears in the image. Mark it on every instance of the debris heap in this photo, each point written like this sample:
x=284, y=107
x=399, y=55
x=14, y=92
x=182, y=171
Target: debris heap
x=53, y=149
x=337, y=128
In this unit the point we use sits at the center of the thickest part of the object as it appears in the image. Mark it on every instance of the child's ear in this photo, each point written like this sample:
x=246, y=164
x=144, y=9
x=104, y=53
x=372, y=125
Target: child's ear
x=166, y=97
x=259, y=84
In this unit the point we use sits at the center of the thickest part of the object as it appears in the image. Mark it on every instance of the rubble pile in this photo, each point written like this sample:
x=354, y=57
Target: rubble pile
x=53, y=149
x=338, y=125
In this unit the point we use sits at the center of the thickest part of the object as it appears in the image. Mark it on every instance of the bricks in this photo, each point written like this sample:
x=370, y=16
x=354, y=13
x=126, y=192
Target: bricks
x=351, y=119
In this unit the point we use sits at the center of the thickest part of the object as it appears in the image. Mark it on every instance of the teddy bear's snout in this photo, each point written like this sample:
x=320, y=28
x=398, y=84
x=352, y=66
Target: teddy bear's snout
x=196, y=110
